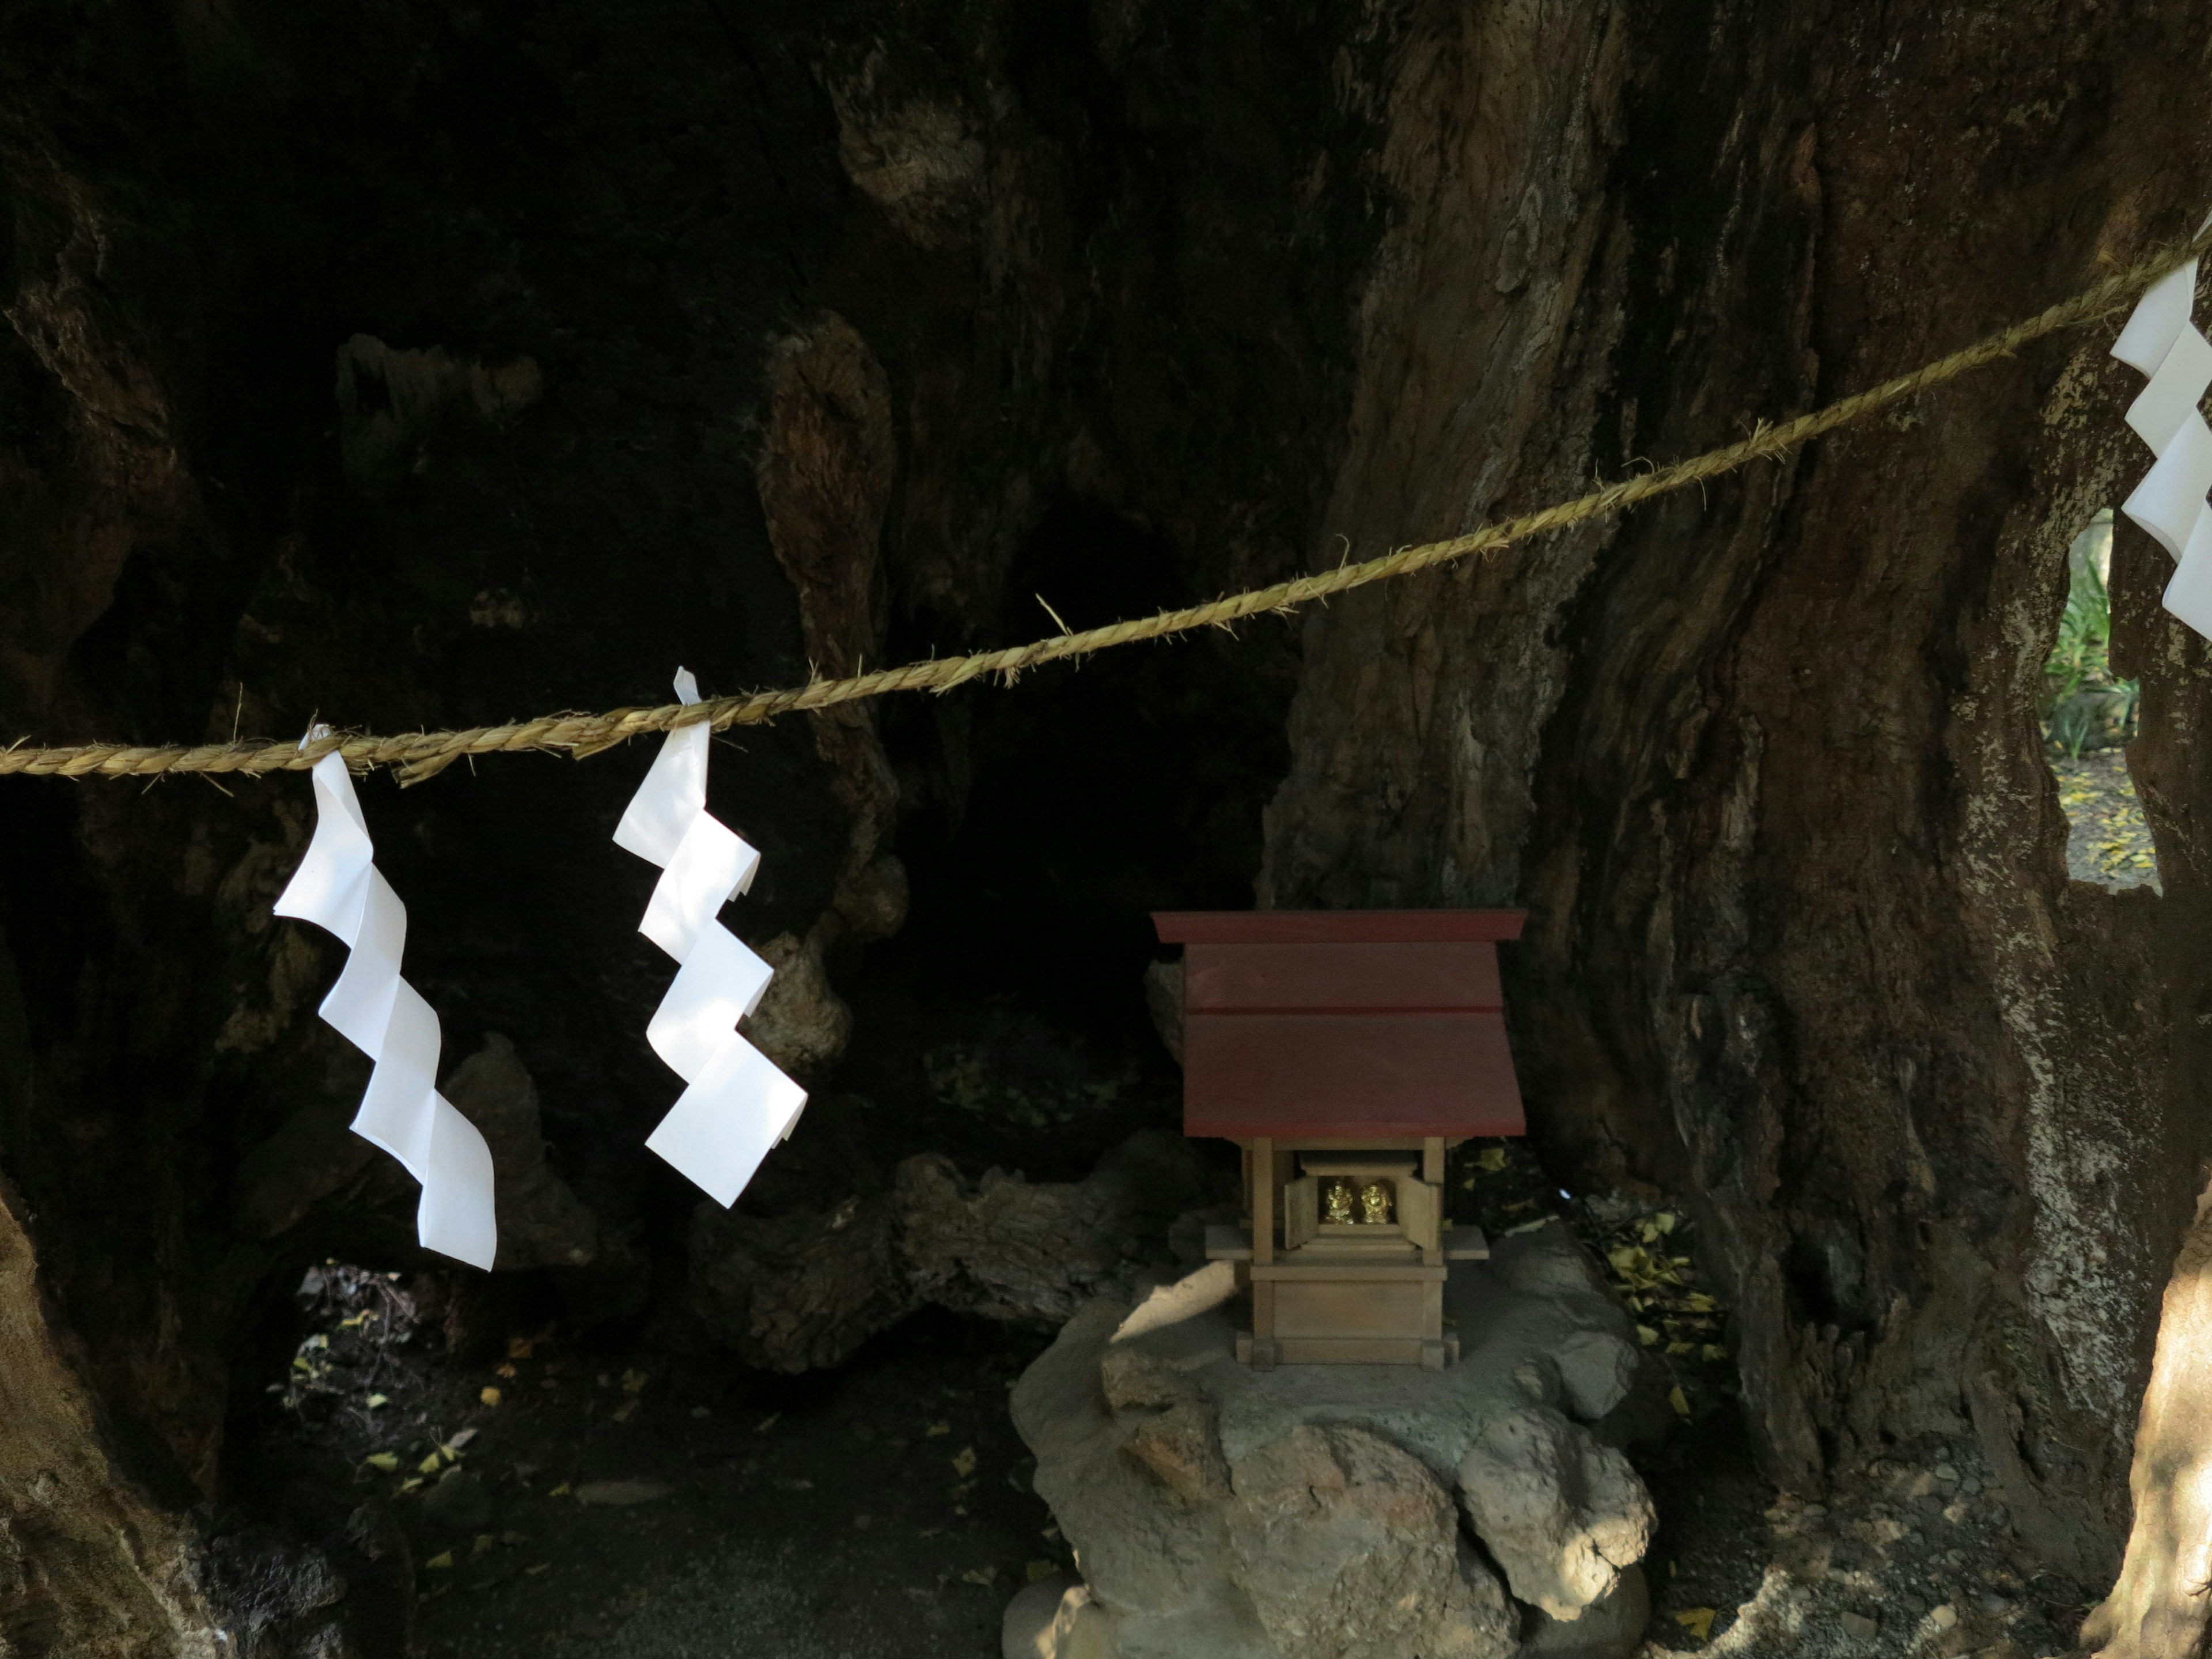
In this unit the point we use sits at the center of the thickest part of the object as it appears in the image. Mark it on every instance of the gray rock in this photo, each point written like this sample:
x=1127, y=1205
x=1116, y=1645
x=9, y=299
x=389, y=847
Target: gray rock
x=798, y=1292
x=1610, y=1628
x=1030, y=1254
x=1307, y=1512
x=459, y=1504
x=1561, y=1514
x=541, y=1223
x=1164, y=1002
x=1056, y=1619
x=802, y=1291
x=1348, y=1548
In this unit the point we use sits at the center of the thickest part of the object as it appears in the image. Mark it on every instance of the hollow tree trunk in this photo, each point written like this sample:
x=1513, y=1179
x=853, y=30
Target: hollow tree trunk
x=757, y=336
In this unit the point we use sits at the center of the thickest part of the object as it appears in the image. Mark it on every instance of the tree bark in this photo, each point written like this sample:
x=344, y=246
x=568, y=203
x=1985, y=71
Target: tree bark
x=842, y=323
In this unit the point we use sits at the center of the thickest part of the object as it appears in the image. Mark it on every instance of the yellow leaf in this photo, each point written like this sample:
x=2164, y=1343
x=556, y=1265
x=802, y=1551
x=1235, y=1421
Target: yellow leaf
x=490, y=1397
x=766, y=1423
x=441, y=1562
x=412, y=1483
x=519, y=1347
x=1039, y=1570
x=964, y=1464
x=375, y=1400
x=508, y=1372
x=1646, y=1335
x=1677, y=1347
x=984, y=1576
x=483, y=1545
x=540, y=1567
x=560, y=1490
x=387, y=1461
x=634, y=1381
x=1714, y=1353
x=1664, y=1221
x=936, y=1429
x=1493, y=1158
x=1699, y=1622
x=627, y=1410
x=1679, y=1401
x=429, y=1465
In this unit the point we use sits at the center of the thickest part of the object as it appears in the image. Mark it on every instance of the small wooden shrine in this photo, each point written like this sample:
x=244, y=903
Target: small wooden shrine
x=1346, y=1051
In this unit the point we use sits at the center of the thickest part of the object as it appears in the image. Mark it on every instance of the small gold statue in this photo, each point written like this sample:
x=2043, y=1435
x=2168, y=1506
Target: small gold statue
x=1375, y=1203
x=1336, y=1199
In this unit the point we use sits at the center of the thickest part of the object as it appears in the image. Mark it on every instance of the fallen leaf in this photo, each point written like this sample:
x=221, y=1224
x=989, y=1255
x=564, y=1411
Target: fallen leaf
x=936, y=1429
x=964, y=1464
x=508, y=1372
x=1528, y=1226
x=560, y=1490
x=376, y=1401
x=623, y=1412
x=429, y=1465
x=540, y=1567
x=1673, y=1348
x=1646, y=1335
x=412, y=1483
x=766, y=1423
x=388, y=1461
x=1699, y=1622
x=452, y=1447
x=519, y=1347
x=1493, y=1158
x=634, y=1381
x=1041, y=1569
x=1714, y=1353
x=490, y=1397
x=617, y=1493
x=985, y=1577
x=1679, y=1401
x=484, y=1540
x=441, y=1562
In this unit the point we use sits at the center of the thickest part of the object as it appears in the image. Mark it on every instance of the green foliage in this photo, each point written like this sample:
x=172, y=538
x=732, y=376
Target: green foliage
x=2082, y=697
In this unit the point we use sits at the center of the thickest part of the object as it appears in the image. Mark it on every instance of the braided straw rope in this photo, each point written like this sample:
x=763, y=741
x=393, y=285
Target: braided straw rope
x=426, y=753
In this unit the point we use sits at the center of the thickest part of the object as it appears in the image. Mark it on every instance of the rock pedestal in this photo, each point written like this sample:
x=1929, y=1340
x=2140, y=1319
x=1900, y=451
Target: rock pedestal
x=1340, y=1511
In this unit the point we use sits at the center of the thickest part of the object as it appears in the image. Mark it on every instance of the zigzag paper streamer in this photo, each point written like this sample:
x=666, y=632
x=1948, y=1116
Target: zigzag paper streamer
x=339, y=888
x=2160, y=341
x=736, y=1104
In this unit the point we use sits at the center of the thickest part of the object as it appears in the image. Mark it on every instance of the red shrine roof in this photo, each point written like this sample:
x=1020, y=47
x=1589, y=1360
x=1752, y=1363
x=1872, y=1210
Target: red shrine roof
x=1340, y=1024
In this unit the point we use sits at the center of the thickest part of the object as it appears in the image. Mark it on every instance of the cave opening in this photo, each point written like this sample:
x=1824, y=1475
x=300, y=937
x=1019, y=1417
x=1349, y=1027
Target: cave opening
x=1008, y=1016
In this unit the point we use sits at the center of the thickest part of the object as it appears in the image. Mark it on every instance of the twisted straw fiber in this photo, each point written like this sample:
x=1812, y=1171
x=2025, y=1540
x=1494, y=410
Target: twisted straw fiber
x=425, y=753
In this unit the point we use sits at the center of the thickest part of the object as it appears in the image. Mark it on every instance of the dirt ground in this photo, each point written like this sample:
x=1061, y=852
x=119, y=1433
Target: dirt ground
x=656, y=1503
x=2108, y=842
x=615, y=1505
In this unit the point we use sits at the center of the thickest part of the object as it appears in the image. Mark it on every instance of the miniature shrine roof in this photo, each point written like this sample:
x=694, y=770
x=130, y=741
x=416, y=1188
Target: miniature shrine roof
x=1344, y=1024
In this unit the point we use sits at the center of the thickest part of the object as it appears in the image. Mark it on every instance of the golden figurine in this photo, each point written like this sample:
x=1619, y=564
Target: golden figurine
x=1375, y=1203
x=1336, y=1198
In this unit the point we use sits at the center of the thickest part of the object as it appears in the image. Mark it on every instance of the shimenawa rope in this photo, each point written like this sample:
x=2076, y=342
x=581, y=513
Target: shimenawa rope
x=424, y=754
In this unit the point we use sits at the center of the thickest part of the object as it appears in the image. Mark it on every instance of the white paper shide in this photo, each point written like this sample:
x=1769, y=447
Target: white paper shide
x=339, y=888
x=2160, y=341
x=736, y=1104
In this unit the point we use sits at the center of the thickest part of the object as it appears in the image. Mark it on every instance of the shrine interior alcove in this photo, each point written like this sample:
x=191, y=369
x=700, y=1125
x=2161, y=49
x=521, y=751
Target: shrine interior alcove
x=413, y=368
